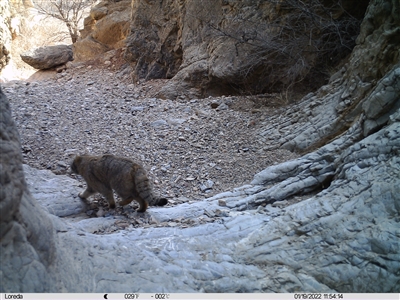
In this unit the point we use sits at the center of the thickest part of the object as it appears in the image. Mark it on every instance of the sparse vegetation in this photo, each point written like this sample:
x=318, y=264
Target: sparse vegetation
x=71, y=12
x=297, y=43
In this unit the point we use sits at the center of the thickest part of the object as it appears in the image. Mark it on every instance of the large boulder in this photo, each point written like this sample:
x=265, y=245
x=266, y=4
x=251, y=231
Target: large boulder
x=48, y=57
x=28, y=30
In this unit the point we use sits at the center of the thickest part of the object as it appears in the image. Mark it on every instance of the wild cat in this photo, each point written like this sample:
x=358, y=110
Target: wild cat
x=106, y=173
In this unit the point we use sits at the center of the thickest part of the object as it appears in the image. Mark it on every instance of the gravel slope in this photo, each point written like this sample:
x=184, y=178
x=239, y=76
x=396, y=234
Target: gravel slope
x=191, y=148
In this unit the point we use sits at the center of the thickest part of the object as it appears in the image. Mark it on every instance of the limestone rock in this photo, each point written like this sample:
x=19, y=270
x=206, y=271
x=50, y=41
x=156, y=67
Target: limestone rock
x=5, y=34
x=348, y=98
x=105, y=29
x=112, y=29
x=155, y=41
x=311, y=246
x=216, y=47
x=25, y=227
x=55, y=192
x=12, y=16
x=48, y=57
x=88, y=48
x=329, y=236
x=29, y=30
x=98, y=12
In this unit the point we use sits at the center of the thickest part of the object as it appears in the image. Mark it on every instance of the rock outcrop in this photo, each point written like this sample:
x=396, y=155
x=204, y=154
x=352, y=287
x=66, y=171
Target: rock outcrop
x=365, y=90
x=27, y=236
x=105, y=29
x=342, y=237
x=16, y=18
x=227, y=46
x=5, y=34
x=160, y=56
x=48, y=57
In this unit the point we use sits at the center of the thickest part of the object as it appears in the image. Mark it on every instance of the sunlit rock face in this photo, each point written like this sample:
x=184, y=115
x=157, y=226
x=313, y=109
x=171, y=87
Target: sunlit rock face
x=5, y=34
x=105, y=29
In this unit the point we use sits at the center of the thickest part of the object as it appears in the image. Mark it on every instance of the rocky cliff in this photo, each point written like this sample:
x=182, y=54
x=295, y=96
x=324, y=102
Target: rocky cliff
x=105, y=29
x=365, y=90
x=226, y=47
x=342, y=237
x=25, y=29
x=5, y=34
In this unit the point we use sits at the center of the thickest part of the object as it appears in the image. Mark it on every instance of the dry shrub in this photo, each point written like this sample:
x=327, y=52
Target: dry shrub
x=294, y=47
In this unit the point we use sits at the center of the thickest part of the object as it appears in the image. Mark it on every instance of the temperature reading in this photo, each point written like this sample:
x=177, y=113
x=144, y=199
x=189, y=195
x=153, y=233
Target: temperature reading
x=161, y=296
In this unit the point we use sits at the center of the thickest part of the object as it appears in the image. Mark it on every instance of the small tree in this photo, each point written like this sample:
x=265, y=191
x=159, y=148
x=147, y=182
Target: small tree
x=70, y=12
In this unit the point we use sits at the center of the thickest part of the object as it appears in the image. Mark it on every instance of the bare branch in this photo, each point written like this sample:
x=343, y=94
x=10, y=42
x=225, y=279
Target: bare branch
x=70, y=12
x=303, y=38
